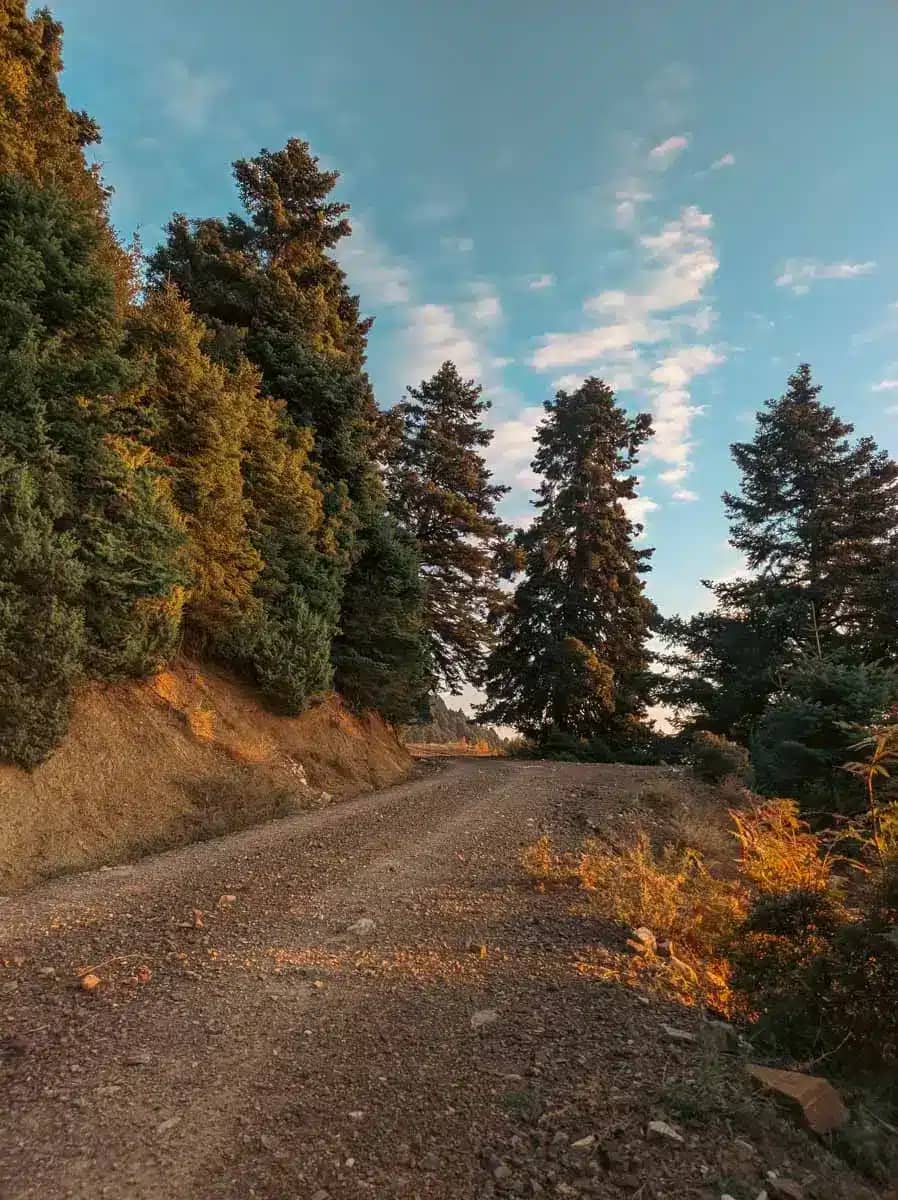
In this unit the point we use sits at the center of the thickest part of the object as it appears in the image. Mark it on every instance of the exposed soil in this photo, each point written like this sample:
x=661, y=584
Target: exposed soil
x=190, y=753
x=244, y=1042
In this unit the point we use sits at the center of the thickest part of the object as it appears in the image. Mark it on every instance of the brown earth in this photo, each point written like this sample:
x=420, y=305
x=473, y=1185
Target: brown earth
x=244, y=1041
x=190, y=753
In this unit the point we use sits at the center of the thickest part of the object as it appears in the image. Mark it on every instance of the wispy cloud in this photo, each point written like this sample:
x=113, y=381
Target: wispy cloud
x=627, y=205
x=685, y=495
x=189, y=95
x=646, y=334
x=725, y=160
x=457, y=245
x=540, y=282
x=666, y=153
x=510, y=453
x=799, y=273
x=433, y=334
x=638, y=510
x=486, y=307
x=372, y=270
x=886, y=385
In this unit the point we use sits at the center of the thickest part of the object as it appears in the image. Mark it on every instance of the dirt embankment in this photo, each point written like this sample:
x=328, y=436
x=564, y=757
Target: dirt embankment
x=187, y=754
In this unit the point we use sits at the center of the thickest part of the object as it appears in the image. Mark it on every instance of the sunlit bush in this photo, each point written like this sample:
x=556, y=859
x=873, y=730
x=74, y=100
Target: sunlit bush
x=778, y=851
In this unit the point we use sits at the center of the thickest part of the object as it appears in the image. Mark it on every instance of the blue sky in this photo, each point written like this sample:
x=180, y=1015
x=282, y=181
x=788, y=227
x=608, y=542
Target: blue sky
x=686, y=199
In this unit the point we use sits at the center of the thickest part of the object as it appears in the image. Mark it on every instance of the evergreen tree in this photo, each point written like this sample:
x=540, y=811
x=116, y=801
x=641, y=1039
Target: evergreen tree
x=816, y=512
x=41, y=138
x=283, y=642
x=70, y=415
x=268, y=284
x=440, y=491
x=380, y=656
x=817, y=520
x=201, y=415
x=571, y=650
x=41, y=619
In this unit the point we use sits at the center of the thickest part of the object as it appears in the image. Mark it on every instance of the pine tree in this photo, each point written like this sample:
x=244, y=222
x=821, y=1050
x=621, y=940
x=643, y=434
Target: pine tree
x=571, y=650
x=380, y=656
x=816, y=512
x=70, y=409
x=201, y=415
x=284, y=641
x=440, y=491
x=817, y=521
x=41, y=138
x=41, y=619
x=267, y=283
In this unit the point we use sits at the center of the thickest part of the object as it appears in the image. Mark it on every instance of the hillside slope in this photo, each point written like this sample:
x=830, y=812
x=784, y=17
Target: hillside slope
x=186, y=754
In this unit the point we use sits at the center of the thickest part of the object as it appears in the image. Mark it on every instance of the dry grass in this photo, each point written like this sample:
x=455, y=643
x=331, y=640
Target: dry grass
x=778, y=851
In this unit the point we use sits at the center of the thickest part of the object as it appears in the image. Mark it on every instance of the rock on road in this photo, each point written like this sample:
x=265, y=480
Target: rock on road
x=364, y=1001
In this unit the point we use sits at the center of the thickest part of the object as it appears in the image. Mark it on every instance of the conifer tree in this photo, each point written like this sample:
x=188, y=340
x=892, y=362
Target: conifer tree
x=571, y=648
x=41, y=619
x=817, y=521
x=201, y=416
x=440, y=491
x=41, y=138
x=380, y=655
x=70, y=413
x=267, y=283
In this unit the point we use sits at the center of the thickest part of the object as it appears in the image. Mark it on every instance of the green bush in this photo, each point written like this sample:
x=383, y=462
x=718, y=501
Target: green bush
x=810, y=726
x=714, y=757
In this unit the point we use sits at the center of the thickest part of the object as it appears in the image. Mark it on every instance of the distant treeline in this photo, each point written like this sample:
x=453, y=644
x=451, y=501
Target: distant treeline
x=450, y=725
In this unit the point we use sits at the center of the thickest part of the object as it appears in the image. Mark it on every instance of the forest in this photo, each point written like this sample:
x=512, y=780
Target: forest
x=192, y=458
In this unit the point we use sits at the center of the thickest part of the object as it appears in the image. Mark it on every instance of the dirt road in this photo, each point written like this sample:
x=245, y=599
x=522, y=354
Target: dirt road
x=365, y=1001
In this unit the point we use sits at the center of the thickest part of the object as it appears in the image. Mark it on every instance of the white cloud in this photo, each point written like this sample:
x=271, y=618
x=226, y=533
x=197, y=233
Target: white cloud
x=886, y=385
x=667, y=152
x=499, y=363
x=726, y=160
x=539, y=282
x=666, y=307
x=371, y=270
x=685, y=495
x=432, y=335
x=628, y=201
x=638, y=510
x=799, y=273
x=188, y=95
x=457, y=245
x=486, y=307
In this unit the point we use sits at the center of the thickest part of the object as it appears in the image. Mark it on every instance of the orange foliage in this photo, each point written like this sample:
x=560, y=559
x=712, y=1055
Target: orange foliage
x=778, y=851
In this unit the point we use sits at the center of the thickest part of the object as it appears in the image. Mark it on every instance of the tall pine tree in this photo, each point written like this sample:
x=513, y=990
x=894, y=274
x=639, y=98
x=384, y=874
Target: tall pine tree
x=817, y=521
x=441, y=492
x=571, y=651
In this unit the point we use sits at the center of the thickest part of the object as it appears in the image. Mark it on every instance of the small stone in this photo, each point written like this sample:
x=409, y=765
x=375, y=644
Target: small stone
x=357, y=1115
x=502, y=1172
x=584, y=1143
x=167, y=1125
x=321, y=1194
x=363, y=927
x=644, y=941
x=484, y=1016
x=139, y=1059
x=268, y=1142
x=785, y=1189
x=677, y=1035
x=430, y=1162
x=89, y=982
x=47, y=972
x=720, y=1036
x=9, y=987
x=560, y=1138
x=661, y=1130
